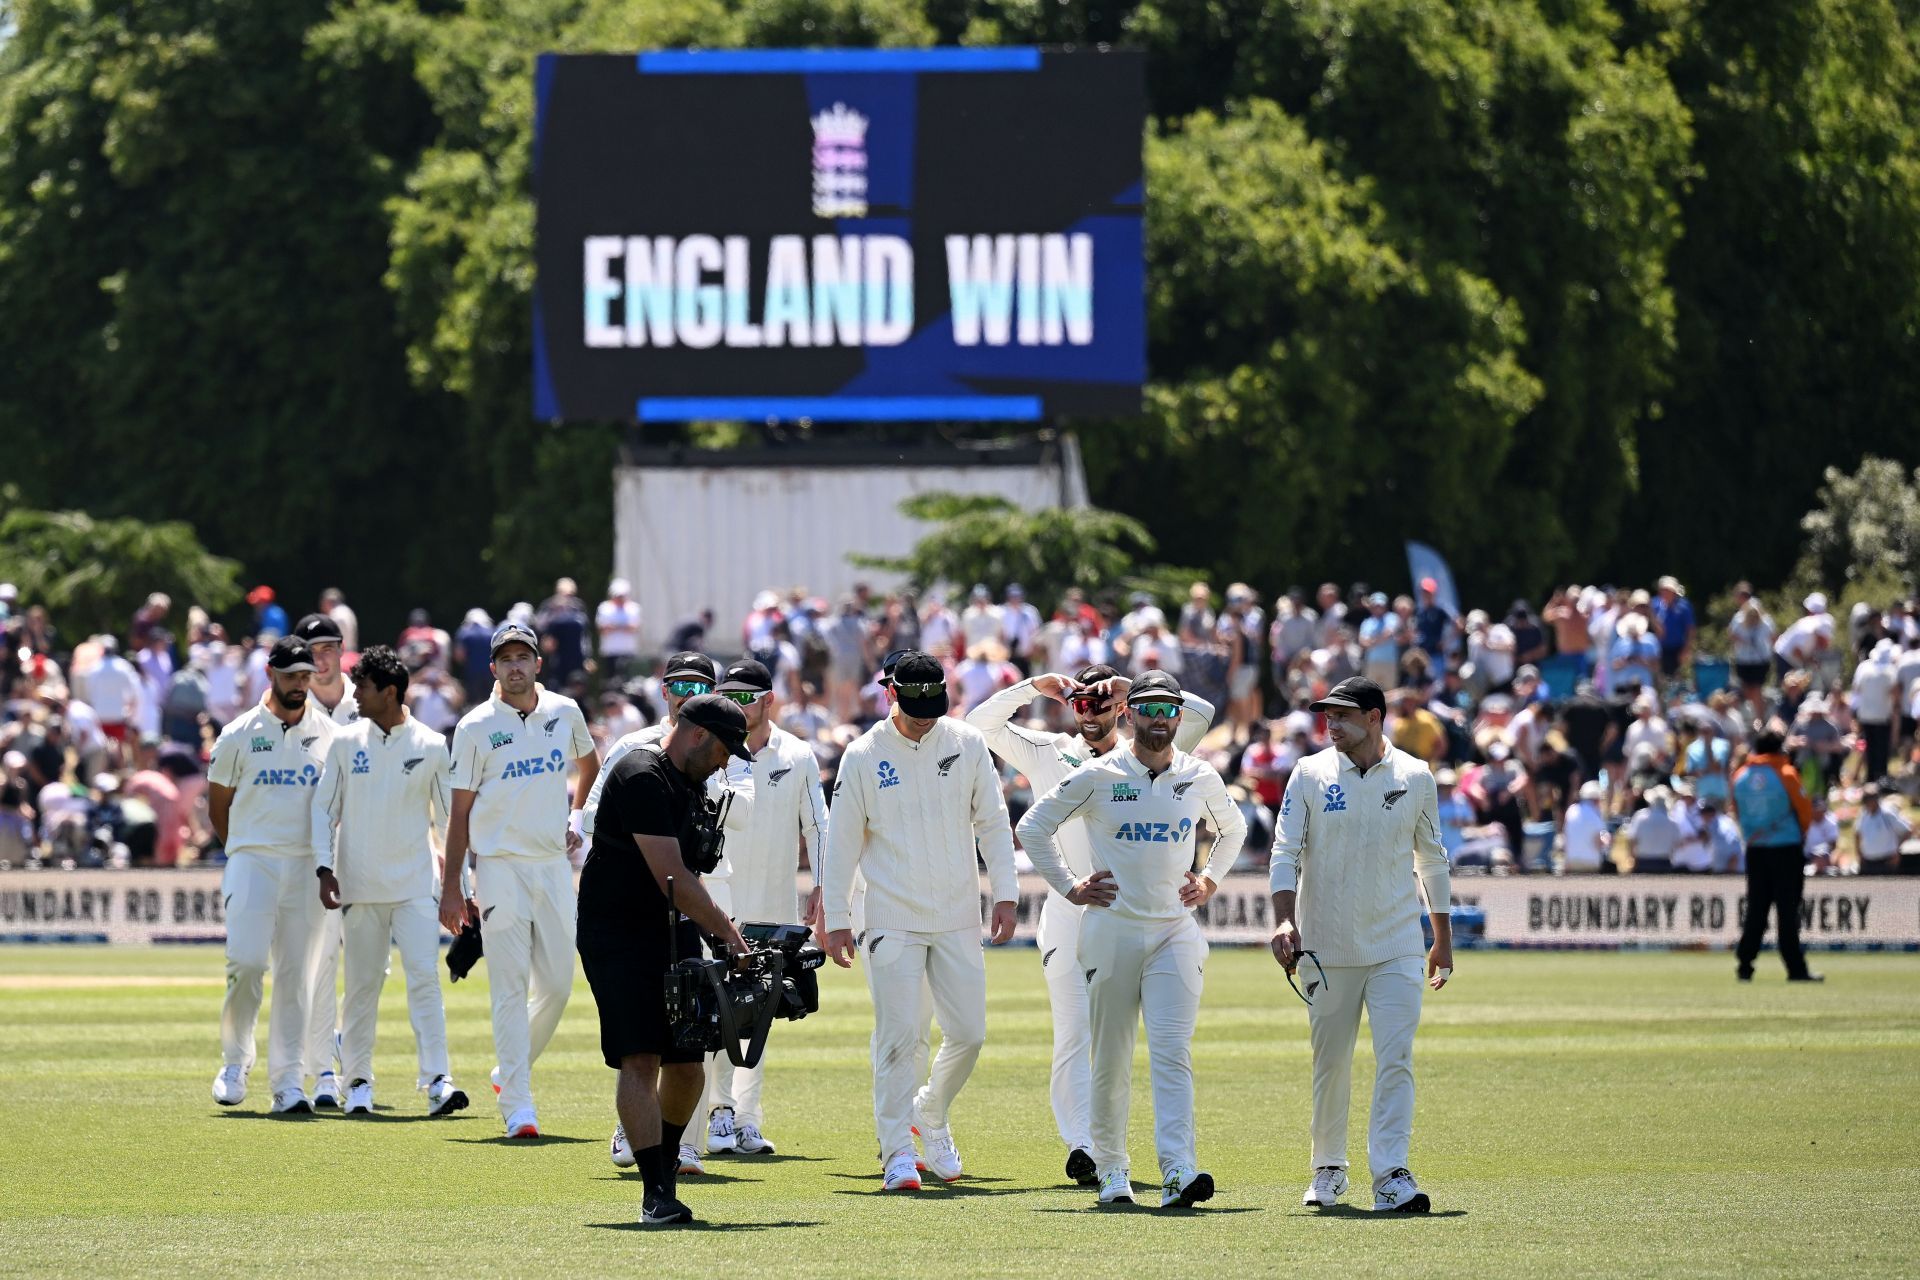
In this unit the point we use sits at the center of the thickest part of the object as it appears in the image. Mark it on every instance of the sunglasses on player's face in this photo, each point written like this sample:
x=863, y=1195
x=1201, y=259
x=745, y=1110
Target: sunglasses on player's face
x=743, y=697
x=1157, y=710
x=687, y=688
x=918, y=690
x=1090, y=706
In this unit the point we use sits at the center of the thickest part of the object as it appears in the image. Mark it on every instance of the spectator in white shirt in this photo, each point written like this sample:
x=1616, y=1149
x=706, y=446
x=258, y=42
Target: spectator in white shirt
x=1822, y=841
x=1875, y=698
x=1723, y=838
x=334, y=605
x=1653, y=835
x=617, y=623
x=1650, y=730
x=980, y=620
x=1878, y=833
x=1804, y=644
x=1585, y=838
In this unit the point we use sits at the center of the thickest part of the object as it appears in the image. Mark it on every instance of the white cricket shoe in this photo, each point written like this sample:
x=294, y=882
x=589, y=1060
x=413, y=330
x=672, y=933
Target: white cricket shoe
x=360, y=1098
x=1116, y=1186
x=943, y=1157
x=290, y=1102
x=1398, y=1193
x=690, y=1160
x=902, y=1173
x=523, y=1124
x=443, y=1099
x=749, y=1141
x=1185, y=1187
x=721, y=1136
x=230, y=1086
x=620, y=1151
x=326, y=1091
x=1328, y=1185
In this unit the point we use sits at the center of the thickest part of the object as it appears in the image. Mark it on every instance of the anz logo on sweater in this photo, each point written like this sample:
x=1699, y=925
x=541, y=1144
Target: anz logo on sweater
x=1155, y=832
x=889, y=776
x=533, y=767
x=1336, y=800
x=362, y=763
x=304, y=776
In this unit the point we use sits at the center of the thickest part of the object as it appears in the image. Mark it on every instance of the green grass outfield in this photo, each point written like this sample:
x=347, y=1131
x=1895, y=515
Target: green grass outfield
x=1579, y=1114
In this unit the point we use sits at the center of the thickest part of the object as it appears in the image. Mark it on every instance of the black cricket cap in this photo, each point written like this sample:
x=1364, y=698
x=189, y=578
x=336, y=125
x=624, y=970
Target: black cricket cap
x=1355, y=692
x=721, y=718
x=513, y=633
x=290, y=653
x=1155, y=686
x=746, y=676
x=888, y=663
x=318, y=628
x=919, y=671
x=692, y=666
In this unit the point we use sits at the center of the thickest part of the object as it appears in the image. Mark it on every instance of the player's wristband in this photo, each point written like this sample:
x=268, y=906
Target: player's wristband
x=576, y=823
x=321, y=873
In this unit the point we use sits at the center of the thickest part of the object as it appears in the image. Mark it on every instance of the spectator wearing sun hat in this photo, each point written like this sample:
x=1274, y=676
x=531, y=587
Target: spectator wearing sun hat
x=269, y=619
x=616, y=624
x=1673, y=620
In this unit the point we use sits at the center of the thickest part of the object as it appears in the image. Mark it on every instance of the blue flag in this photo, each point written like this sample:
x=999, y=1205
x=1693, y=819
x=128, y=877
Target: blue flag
x=1424, y=562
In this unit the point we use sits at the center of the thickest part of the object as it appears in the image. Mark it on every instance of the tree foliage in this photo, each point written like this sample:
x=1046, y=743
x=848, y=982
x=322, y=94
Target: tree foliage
x=1567, y=288
x=92, y=574
x=983, y=538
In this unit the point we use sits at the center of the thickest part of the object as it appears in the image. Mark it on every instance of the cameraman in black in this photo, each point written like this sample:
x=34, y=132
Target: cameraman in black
x=653, y=824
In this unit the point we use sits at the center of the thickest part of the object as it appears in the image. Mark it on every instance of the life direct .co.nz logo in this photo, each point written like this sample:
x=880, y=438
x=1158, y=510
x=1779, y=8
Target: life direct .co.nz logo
x=553, y=762
x=889, y=776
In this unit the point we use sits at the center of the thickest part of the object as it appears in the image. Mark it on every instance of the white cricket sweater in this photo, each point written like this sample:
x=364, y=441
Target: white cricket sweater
x=1351, y=844
x=1047, y=758
x=273, y=768
x=776, y=802
x=388, y=794
x=907, y=815
x=1141, y=827
x=516, y=766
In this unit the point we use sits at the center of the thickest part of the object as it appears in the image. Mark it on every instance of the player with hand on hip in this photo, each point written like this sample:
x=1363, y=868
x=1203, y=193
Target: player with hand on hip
x=261, y=779
x=337, y=702
x=382, y=795
x=509, y=809
x=1096, y=694
x=1140, y=951
x=913, y=797
x=1355, y=820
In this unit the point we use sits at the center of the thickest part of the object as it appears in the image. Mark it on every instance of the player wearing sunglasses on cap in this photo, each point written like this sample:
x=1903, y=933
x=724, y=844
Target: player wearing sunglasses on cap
x=1096, y=695
x=1141, y=954
x=1354, y=820
x=914, y=797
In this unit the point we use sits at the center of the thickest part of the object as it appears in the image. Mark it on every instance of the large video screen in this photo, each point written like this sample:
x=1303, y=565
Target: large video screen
x=936, y=234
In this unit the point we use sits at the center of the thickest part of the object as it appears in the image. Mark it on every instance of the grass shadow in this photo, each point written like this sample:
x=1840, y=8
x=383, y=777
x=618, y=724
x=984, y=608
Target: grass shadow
x=544, y=1140
x=1172, y=1211
x=692, y=1180
x=1371, y=1215
x=704, y=1226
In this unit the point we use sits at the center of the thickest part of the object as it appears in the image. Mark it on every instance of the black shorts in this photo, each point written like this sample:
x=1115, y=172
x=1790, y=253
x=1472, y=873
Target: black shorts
x=628, y=978
x=1670, y=662
x=1752, y=675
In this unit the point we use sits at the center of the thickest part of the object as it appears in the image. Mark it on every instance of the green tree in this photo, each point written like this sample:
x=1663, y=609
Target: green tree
x=92, y=574
x=1865, y=524
x=982, y=538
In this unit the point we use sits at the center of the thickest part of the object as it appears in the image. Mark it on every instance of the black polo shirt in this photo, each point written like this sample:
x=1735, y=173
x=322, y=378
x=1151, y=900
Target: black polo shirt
x=645, y=795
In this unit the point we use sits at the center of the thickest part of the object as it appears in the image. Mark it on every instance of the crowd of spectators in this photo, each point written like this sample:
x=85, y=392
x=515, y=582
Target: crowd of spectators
x=1587, y=736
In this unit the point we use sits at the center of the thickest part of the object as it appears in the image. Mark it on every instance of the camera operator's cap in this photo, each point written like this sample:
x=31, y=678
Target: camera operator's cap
x=290, y=654
x=690, y=665
x=318, y=628
x=513, y=633
x=1355, y=692
x=721, y=718
x=921, y=684
x=746, y=676
x=1155, y=686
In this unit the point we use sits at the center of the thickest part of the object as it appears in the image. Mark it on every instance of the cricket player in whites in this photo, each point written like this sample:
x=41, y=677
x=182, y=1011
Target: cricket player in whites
x=776, y=805
x=1095, y=694
x=337, y=702
x=1355, y=821
x=385, y=791
x=265, y=767
x=913, y=796
x=510, y=757
x=1141, y=954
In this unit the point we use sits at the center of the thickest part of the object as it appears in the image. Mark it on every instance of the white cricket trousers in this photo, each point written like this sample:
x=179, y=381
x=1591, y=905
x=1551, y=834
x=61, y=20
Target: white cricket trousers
x=1071, y=1084
x=1391, y=993
x=527, y=912
x=323, y=998
x=273, y=912
x=901, y=966
x=1142, y=971
x=372, y=929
